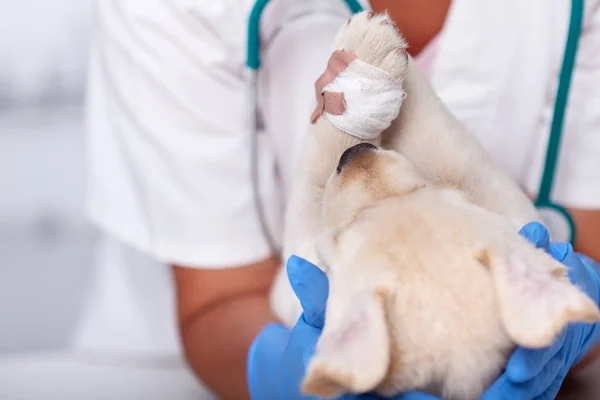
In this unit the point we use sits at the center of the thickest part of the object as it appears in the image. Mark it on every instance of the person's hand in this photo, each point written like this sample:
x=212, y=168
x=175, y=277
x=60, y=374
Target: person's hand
x=278, y=357
x=538, y=374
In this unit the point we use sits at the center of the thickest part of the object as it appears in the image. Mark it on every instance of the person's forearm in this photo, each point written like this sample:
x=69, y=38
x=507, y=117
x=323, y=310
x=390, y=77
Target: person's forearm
x=221, y=311
x=216, y=342
x=588, y=243
x=594, y=354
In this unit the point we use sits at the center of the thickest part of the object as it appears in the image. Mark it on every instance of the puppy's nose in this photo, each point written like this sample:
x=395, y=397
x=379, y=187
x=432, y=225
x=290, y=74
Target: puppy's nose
x=353, y=152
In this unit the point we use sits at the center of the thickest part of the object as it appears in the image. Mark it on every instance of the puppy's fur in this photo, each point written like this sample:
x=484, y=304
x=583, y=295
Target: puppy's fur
x=431, y=286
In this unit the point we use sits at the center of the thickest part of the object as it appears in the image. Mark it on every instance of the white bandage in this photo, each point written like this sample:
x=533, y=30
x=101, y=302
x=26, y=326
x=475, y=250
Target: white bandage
x=372, y=100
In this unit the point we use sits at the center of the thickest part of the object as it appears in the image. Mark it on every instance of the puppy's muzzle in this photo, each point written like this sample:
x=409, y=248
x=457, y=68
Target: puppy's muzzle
x=352, y=153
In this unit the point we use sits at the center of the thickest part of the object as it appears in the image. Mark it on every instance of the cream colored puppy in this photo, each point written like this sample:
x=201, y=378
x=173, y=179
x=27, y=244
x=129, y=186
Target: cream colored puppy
x=431, y=286
x=428, y=291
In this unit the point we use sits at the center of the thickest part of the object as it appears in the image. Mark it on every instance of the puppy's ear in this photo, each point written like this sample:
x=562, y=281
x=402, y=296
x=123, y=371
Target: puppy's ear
x=353, y=352
x=535, y=296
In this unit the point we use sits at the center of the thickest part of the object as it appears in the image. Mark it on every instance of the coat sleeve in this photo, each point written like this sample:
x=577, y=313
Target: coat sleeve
x=168, y=140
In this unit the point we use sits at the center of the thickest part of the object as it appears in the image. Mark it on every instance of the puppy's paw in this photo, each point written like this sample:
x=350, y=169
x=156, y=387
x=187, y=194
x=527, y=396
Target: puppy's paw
x=374, y=39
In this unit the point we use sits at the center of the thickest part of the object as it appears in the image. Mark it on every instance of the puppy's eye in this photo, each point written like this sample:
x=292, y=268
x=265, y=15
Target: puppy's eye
x=352, y=152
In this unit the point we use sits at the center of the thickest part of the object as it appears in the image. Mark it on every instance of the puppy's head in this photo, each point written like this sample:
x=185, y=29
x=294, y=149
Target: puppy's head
x=365, y=175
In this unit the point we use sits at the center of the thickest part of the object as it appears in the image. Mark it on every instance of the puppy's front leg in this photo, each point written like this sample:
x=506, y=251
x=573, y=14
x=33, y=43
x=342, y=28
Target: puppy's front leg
x=362, y=93
x=323, y=148
x=359, y=95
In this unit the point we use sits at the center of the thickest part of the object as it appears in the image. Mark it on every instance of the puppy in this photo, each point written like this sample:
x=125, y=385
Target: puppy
x=428, y=291
x=431, y=286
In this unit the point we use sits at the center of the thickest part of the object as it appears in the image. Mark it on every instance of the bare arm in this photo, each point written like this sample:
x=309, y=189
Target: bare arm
x=419, y=21
x=588, y=232
x=588, y=243
x=220, y=313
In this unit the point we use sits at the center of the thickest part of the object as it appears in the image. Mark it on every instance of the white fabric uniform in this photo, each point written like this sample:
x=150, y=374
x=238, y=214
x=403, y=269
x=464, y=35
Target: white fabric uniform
x=168, y=150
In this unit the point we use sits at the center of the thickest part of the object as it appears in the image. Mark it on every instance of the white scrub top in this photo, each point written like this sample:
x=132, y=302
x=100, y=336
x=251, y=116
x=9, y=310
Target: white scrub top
x=169, y=144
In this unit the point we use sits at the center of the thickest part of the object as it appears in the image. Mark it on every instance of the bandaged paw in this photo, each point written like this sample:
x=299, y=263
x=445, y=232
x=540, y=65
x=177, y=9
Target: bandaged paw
x=361, y=90
x=371, y=100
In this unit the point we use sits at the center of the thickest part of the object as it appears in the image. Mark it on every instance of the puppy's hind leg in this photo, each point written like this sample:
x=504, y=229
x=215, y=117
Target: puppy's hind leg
x=428, y=135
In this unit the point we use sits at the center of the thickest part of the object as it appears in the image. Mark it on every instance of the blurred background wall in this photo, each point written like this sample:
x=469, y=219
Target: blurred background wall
x=45, y=242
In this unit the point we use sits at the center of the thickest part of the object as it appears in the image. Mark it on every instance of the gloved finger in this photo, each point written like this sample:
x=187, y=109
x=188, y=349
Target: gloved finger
x=560, y=250
x=500, y=389
x=588, y=262
x=583, y=273
x=264, y=358
x=365, y=396
x=525, y=364
x=311, y=287
x=537, y=234
x=304, y=342
x=416, y=396
x=505, y=388
x=289, y=376
x=404, y=396
x=553, y=390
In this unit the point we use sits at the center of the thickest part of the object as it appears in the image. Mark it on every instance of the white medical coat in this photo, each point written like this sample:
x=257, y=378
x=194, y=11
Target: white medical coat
x=169, y=144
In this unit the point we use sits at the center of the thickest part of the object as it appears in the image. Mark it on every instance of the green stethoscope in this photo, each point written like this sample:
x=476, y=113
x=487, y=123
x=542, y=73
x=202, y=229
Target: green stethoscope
x=558, y=220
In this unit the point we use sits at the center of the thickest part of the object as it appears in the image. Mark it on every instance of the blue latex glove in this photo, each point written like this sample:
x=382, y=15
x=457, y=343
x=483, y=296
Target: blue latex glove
x=278, y=358
x=538, y=374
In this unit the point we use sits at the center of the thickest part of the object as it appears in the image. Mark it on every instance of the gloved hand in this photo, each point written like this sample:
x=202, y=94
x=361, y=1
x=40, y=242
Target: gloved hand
x=278, y=358
x=538, y=374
